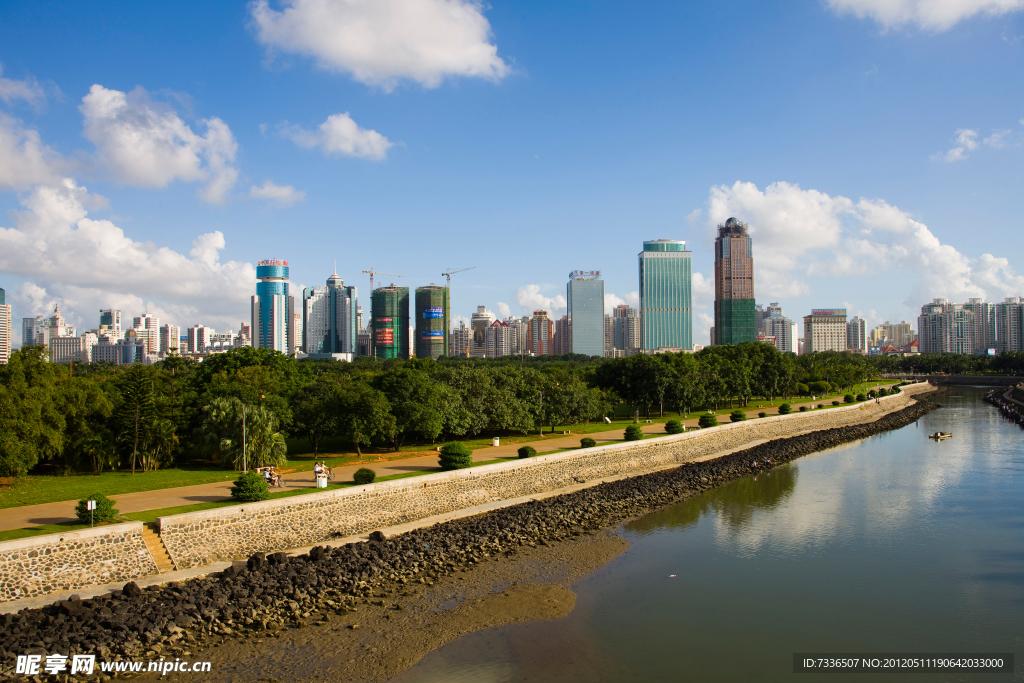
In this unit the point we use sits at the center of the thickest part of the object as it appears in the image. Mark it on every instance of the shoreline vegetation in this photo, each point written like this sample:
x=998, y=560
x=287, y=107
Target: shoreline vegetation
x=273, y=595
x=180, y=422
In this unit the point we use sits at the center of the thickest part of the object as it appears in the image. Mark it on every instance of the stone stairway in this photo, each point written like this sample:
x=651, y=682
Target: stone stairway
x=156, y=548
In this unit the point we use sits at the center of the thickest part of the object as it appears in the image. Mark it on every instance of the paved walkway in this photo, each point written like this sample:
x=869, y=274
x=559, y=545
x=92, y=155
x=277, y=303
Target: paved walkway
x=64, y=511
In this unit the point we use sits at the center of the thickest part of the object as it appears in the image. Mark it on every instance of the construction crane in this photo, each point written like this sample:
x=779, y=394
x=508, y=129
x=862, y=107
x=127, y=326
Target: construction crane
x=448, y=276
x=373, y=272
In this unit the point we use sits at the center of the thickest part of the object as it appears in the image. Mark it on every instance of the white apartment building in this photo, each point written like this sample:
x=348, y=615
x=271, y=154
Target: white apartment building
x=825, y=330
x=857, y=335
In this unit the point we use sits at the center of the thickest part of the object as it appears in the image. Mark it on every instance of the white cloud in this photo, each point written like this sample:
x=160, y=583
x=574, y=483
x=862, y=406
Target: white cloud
x=1001, y=139
x=340, y=135
x=965, y=140
x=530, y=299
x=29, y=90
x=284, y=195
x=381, y=42
x=91, y=264
x=24, y=159
x=931, y=15
x=803, y=233
x=142, y=142
x=503, y=309
x=693, y=216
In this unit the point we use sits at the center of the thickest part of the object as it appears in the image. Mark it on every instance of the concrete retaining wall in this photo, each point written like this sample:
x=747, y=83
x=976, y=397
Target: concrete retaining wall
x=198, y=538
x=55, y=563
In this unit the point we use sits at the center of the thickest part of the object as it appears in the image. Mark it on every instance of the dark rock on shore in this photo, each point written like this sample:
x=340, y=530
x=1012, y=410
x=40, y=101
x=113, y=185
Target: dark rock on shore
x=275, y=591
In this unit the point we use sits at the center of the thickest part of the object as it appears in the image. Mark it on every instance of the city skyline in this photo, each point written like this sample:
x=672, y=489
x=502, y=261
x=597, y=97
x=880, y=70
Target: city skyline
x=247, y=138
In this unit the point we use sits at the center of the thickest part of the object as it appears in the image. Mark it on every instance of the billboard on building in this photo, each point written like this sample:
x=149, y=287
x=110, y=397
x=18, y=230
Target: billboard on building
x=433, y=312
x=828, y=311
x=433, y=334
x=385, y=337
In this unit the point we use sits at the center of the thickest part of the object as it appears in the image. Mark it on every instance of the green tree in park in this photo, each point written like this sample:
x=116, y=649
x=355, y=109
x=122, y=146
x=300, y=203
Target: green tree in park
x=364, y=415
x=418, y=405
x=31, y=425
x=136, y=412
x=314, y=410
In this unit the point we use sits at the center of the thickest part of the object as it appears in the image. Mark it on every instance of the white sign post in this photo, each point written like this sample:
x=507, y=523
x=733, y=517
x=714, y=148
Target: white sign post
x=90, y=505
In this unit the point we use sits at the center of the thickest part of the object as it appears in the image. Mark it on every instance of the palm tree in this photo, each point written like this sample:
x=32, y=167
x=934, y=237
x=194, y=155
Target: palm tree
x=159, y=444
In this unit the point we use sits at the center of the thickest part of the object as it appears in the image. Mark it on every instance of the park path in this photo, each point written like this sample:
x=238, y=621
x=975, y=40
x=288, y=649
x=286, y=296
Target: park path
x=64, y=511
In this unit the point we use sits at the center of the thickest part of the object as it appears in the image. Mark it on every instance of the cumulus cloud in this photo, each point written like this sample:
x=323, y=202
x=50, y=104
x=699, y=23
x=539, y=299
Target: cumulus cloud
x=145, y=143
x=340, y=135
x=965, y=140
x=503, y=309
x=800, y=233
x=1001, y=139
x=530, y=299
x=27, y=89
x=24, y=159
x=90, y=264
x=283, y=195
x=930, y=15
x=382, y=42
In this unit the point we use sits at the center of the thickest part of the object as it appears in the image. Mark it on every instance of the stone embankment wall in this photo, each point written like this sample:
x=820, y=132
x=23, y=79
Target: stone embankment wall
x=54, y=563
x=970, y=380
x=236, y=532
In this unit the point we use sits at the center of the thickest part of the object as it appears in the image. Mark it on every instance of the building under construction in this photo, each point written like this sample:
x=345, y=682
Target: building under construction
x=431, y=321
x=389, y=316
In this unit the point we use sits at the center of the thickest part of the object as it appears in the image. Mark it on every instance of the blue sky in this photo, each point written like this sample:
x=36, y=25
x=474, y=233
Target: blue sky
x=150, y=153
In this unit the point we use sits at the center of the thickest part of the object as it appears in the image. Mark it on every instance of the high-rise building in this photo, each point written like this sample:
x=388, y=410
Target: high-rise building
x=30, y=327
x=857, y=335
x=776, y=325
x=5, y=329
x=735, y=315
x=169, y=339
x=499, y=339
x=329, y=323
x=585, y=304
x=460, y=340
x=625, y=330
x=432, y=315
x=517, y=331
x=125, y=351
x=825, y=330
x=147, y=328
x=390, y=320
x=1009, y=325
x=984, y=332
x=560, y=336
x=272, y=308
x=666, y=311
x=540, y=334
x=478, y=323
x=199, y=338
x=931, y=326
x=110, y=318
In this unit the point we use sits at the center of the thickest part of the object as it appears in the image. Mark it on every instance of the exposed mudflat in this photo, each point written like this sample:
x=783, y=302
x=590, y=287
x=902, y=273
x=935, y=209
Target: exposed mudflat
x=415, y=619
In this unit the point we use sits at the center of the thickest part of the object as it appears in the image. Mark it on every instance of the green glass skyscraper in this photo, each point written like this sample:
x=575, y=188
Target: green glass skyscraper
x=431, y=322
x=666, y=311
x=735, y=320
x=389, y=337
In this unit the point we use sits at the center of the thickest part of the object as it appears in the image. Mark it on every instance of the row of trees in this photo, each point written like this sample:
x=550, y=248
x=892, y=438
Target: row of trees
x=92, y=417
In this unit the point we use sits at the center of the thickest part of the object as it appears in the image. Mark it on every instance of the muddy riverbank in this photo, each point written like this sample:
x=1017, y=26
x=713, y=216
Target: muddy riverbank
x=292, y=618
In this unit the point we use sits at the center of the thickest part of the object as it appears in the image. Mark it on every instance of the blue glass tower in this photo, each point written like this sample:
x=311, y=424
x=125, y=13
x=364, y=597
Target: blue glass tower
x=272, y=308
x=666, y=313
x=585, y=306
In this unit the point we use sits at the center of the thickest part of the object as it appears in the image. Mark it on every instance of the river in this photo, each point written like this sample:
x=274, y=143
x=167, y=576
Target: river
x=892, y=544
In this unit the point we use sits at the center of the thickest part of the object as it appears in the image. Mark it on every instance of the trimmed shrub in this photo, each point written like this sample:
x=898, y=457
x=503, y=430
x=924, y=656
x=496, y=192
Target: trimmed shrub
x=803, y=409
x=634, y=433
x=737, y=416
x=821, y=405
x=836, y=403
x=455, y=456
x=674, y=427
x=861, y=397
x=872, y=394
x=883, y=392
x=707, y=420
x=895, y=390
x=848, y=398
x=785, y=409
x=364, y=475
x=250, y=487
x=104, y=512
x=527, y=452
x=762, y=414
x=587, y=442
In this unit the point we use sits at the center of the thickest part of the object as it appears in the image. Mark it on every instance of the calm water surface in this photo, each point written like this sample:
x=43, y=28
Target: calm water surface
x=895, y=543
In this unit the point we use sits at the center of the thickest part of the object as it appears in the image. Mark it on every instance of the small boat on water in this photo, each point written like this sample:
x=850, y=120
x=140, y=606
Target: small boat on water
x=939, y=436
